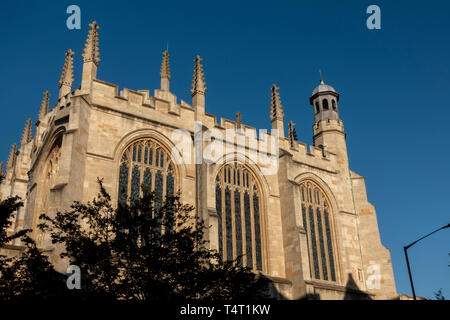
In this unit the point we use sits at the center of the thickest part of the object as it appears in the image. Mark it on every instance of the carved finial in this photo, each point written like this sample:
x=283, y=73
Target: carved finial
x=165, y=72
x=321, y=78
x=45, y=105
x=165, y=66
x=292, y=134
x=238, y=120
x=66, y=79
x=12, y=156
x=198, y=81
x=276, y=109
x=91, y=52
x=26, y=136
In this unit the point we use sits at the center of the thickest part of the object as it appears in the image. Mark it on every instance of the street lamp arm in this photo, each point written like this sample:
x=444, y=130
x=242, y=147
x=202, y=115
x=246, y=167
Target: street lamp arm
x=413, y=243
x=405, y=248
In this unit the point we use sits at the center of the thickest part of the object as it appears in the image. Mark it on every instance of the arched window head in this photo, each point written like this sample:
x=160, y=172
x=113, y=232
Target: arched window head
x=145, y=162
x=325, y=104
x=51, y=170
x=333, y=104
x=318, y=225
x=317, y=107
x=238, y=207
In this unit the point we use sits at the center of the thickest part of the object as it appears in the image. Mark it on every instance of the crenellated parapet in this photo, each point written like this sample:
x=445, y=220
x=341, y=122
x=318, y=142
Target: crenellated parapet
x=331, y=125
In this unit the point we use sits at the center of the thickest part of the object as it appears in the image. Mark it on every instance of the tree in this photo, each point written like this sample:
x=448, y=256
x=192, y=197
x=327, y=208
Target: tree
x=438, y=295
x=30, y=275
x=147, y=252
x=8, y=207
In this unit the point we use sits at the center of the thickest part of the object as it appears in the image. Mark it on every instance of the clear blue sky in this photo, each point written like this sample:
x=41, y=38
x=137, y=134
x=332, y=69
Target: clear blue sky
x=394, y=85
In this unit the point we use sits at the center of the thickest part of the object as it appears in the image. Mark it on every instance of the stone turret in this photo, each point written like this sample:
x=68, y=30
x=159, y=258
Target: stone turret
x=324, y=100
x=165, y=72
x=198, y=86
x=66, y=80
x=276, y=111
x=292, y=134
x=328, y=130
x=238, y=120
x=90, y=57
x=45, y=106
x=26, y=136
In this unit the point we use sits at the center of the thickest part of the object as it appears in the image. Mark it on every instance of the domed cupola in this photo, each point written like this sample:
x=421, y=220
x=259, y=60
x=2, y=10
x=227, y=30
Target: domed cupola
x=324, y=100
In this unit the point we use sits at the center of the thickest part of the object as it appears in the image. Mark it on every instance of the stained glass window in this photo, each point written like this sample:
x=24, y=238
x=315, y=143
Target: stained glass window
x=123, y=180
x=317, y=224
x=146, y=154
x=158, y=189
x=248, y=231
x=228, y=226
x=138, y=166
x=305, y=225
x=169, y=185
x=323, y=260
x=314, y=243
x=237, y=223
x=219, y=217
x=148, y=177
x=239, y=216
x=135, y=183
x=257, y=231
x=330, y=246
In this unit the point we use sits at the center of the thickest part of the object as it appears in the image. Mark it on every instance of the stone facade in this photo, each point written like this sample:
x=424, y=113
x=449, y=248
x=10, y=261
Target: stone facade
x=338, y=255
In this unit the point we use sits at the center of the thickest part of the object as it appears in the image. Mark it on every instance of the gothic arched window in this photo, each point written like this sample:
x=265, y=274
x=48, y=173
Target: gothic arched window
x=238, y=206
x=145, y=161
x=316, y=213
x=333, y=104
x=325, y=104
x=317, y=107
x=51, y=171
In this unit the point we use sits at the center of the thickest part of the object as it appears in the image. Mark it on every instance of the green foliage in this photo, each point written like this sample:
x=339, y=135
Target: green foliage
x=141, y=252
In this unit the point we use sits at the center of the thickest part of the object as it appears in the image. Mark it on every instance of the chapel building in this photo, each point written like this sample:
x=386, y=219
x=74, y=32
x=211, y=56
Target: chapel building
x=295, y=213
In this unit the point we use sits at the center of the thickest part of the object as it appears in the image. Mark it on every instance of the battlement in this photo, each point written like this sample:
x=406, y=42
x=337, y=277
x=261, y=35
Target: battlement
x=328, y=125
x=310, y=155
x=140, y=103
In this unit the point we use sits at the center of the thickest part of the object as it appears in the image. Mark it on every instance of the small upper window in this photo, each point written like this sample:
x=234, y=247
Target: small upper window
x=333, y=104
x=325, y=104
x=317, y=107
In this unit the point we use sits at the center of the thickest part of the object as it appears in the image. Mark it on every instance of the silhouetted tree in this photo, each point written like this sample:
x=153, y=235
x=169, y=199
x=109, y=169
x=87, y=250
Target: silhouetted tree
x=30, y=275
x=145, y=251
x=438, y=295
x=8, y=207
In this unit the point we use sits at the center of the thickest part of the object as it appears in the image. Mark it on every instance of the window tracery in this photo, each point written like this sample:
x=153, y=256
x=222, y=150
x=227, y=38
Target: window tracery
x=316, y=221
x=238, y=206
x=145, y=161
